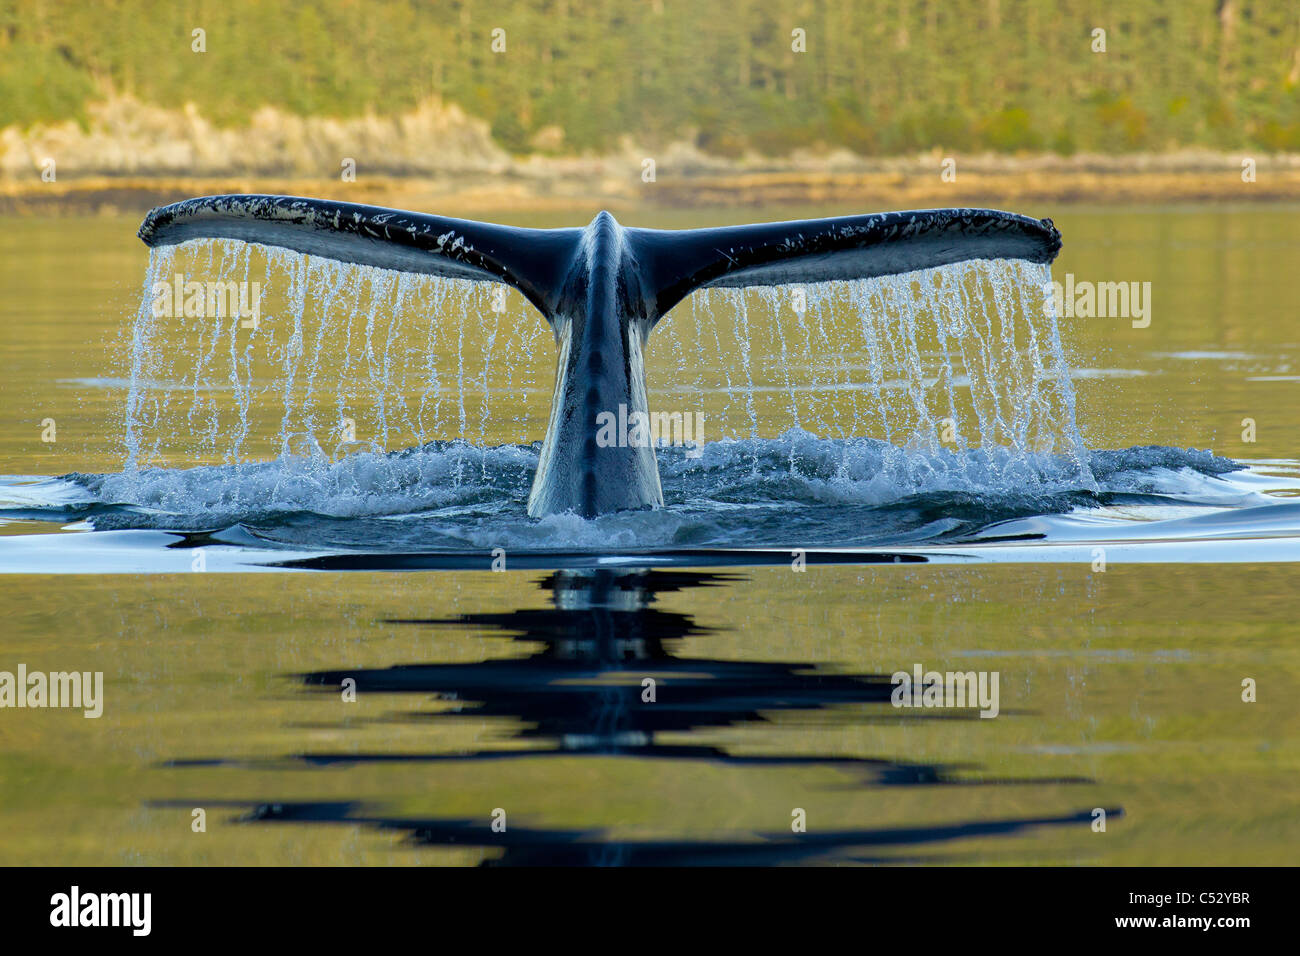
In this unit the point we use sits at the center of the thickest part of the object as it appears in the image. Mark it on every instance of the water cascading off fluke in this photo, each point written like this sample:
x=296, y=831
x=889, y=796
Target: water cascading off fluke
x=953, y=350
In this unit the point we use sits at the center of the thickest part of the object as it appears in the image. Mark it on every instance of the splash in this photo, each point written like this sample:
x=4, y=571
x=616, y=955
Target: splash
x=961, y=369
x=743, y=493
x=341, y=358
x=965, y=359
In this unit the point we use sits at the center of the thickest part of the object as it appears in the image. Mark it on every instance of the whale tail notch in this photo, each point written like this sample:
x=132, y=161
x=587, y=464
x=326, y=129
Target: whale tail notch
x=603, y=288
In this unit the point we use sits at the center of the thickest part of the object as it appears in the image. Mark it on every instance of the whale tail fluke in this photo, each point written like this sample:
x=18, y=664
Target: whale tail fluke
x=845, y=247
x=603, y=288
x=528, y=259
x=670, y=264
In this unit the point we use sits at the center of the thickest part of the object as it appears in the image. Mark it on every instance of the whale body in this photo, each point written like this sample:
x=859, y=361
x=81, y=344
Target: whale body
x=603, y=288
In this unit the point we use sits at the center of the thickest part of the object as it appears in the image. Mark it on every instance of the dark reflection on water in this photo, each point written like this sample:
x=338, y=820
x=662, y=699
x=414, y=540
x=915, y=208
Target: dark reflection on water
x=607, y=682
x=523, y=846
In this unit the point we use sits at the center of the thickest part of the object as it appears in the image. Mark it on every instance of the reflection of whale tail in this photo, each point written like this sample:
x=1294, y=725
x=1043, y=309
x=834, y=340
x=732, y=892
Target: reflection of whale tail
x=603, y=288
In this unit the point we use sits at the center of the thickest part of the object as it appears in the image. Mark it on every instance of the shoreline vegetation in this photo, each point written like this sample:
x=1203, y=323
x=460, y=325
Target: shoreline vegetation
x=523, y=107
x=128, y=156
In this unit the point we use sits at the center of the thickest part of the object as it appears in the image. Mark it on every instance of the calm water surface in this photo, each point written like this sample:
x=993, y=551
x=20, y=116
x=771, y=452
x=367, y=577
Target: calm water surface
x=521, y=693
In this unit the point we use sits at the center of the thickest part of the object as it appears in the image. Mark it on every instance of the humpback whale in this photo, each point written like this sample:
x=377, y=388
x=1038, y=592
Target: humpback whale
x=603, y=288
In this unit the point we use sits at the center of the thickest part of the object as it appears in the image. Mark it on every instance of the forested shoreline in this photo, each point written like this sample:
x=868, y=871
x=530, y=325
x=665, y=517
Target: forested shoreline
x=732, y=79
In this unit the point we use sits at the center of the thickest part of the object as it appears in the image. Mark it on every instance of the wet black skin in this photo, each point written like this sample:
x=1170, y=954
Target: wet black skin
x=603, y=288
